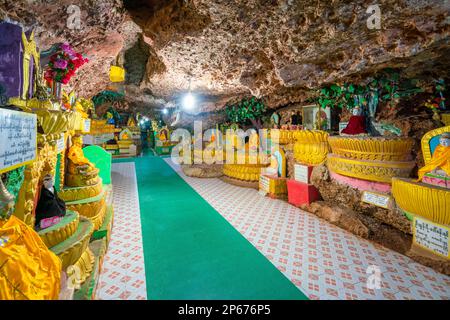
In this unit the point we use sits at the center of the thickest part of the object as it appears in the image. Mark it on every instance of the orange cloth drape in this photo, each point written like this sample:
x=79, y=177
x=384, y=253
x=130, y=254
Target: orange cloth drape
x=28, y=269
x=440, y=159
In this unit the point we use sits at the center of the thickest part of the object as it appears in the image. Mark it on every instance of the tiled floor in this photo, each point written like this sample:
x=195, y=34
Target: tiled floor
x=123, y=274
x=322, y=260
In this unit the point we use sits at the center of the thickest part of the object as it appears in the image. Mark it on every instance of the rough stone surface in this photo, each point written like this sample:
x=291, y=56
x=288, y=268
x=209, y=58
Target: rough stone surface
x=290, y=160
x=440, y=265
x=341, y=216
x=280, y=49
x=226, y=49
x=346, y=196
x=203, y=170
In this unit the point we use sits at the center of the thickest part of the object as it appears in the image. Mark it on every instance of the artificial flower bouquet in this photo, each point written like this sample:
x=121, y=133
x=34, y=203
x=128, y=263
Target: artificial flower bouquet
x=63, y=64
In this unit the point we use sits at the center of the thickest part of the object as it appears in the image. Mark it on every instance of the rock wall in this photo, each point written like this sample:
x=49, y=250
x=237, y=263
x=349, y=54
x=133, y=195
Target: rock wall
x=281, y=50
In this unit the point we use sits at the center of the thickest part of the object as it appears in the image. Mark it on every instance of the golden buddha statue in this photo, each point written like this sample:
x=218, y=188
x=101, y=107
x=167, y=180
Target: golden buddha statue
x=131, y=122
x=440, y=161
x=78, y=107
x=81, y=172
x=163, y=135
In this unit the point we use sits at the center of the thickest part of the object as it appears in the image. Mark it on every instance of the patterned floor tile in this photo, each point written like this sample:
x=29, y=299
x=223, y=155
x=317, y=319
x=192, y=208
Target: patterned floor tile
x=322, y=260
x=123, y=273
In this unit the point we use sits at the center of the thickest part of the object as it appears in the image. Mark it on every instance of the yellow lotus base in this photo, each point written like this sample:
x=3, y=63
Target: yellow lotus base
x=371, y=148
x=430, y=202
x=245, y=172
x=61, y=231
x=311, y=154
x=311, y=147
x=79, y=193
x=82, y=269
x=70, y=250
x=379, y=171
x=284, y=136
x=94, y=210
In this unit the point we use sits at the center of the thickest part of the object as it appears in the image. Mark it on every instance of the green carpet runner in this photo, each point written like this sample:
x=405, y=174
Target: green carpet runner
x=191, y=251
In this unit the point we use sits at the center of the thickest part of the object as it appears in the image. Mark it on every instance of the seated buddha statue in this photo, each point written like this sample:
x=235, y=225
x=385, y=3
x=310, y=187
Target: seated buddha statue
x=131, y=122
x=80, y=171
x=78, y=107
x=356, y=124
x=440, y=161
x=50, y=208
x=163, y=135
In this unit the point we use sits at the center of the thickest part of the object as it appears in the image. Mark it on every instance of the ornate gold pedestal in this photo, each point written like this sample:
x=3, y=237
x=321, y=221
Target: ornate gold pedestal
x=245, y=172
x=430, y=202
x=374, y=149
x=370, y=158
x=61, y=231
x=311, y=147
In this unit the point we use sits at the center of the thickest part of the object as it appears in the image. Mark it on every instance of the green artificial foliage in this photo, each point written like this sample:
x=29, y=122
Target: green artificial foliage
x=437, y=102
x=246, y=110
x=387, y=87
x=14, y=181
x=106, y=96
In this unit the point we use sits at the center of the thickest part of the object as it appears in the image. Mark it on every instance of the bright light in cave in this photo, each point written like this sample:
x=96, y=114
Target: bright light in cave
x=188, y=101
x=164, y=111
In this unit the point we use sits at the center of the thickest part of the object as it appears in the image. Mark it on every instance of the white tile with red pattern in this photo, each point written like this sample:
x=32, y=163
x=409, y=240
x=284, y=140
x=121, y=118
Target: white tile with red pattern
x=322, y=260
x=123, y=273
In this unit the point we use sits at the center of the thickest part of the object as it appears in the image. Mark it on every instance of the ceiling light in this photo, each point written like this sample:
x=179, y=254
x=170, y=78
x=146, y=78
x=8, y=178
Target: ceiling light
x=188, y=101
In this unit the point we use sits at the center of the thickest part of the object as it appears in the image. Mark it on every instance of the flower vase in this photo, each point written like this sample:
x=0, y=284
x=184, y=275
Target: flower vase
x=56, y=89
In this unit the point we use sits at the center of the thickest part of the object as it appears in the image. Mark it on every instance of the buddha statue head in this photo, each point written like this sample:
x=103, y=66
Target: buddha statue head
x=77, y=140
x=444, y=139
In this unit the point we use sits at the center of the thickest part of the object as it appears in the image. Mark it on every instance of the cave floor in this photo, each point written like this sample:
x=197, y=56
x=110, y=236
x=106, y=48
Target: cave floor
x=177, y=237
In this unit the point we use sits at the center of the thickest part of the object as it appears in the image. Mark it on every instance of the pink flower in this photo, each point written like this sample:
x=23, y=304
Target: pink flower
x=68, y=49
x=60, y=64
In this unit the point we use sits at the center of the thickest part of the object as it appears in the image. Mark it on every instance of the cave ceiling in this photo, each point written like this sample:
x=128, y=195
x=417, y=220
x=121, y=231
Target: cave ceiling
x=223, y=50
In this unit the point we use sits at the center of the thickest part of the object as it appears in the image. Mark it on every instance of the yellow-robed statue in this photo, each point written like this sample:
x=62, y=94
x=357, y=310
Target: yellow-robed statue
x=81, y=172
x=440, y=161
